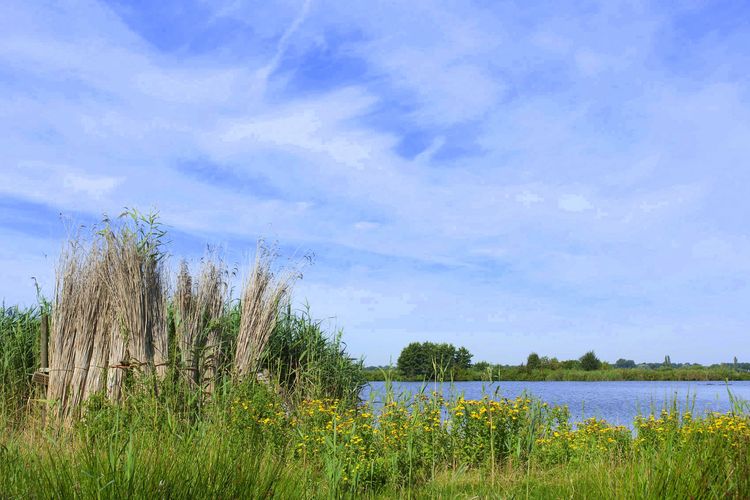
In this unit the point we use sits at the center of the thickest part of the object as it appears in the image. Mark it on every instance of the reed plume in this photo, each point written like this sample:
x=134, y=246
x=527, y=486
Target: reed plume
x=264, y=293
x=199, y=304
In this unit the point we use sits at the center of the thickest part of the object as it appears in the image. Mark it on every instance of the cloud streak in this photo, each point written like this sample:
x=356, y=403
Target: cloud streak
x=509, y=177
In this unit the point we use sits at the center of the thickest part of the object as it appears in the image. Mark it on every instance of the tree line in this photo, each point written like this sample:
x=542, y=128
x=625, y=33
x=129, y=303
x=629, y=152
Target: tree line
x=429, y=360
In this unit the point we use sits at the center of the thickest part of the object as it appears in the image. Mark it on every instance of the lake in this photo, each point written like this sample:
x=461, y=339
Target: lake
x=617, y=402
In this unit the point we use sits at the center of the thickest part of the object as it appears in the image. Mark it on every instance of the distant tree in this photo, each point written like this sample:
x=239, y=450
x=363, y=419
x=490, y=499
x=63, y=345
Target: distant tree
x=533, y=362
x=442, y=357
x=570, y=364
x=590, y=362
x=734, y=364
x=463, y=358
x=624, y=363
x=667, y=361
x=482, y=366
x=428, y=359
x=413, y=360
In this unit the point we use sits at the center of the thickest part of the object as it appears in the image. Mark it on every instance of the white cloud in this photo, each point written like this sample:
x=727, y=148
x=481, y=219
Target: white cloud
x=96, y=187
x=574, y=203
x=95, y=118
x=528, y=198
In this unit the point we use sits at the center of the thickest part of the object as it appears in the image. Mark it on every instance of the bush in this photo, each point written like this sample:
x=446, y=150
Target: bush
x=624, y=363
x=310, y=363
x=533, y=362
x=590, y=362
x=428, y=359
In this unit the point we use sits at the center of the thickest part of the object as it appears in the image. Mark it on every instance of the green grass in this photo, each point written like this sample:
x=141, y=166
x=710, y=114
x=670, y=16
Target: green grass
x=149, y=448
x=247, y=441
x=19, y=357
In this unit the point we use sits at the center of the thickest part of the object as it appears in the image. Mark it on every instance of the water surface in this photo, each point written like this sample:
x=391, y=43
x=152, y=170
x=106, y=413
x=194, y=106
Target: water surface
x=617, y=402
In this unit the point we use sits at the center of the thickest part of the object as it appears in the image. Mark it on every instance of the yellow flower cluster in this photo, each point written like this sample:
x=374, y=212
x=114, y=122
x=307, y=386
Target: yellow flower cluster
x=426, y=429
x=732, y=429
x=590, y=436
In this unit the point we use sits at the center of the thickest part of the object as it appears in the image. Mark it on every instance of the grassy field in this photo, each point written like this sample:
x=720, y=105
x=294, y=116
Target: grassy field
x=192, y=394
x=245, y=440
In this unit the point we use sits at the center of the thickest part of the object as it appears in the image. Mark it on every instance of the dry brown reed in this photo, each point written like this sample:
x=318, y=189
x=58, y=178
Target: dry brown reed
x=263, y=294
x=136, y=284
x=91, y=320
x=80, y=319
x=108, y=316
x=199, y=304
x=65, y=312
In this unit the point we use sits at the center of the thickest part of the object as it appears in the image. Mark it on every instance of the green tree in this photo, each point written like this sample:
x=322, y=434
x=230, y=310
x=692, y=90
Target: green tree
x=463, y=358
x=413, y=360
x=624, y=363
x=533, y=362
x=554, y=364
x=428, y=359
x=482, y=366
x=570, y=364
x=590, y=362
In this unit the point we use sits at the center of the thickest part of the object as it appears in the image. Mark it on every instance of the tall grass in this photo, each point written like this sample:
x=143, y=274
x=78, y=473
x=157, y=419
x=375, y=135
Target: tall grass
x=265, y=292
x=19, y=357
x=245, y=444
x=184, y=414
x=310, y=363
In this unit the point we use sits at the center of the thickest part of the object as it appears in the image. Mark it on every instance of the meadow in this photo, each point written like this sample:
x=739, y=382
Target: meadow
x=246, y=440
x=257, y=400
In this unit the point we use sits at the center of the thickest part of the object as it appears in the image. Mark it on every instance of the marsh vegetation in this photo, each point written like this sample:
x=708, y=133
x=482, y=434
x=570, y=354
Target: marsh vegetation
x=162, y=388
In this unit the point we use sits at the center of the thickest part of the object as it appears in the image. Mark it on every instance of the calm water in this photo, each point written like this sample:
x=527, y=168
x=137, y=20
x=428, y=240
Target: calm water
x=617, y=402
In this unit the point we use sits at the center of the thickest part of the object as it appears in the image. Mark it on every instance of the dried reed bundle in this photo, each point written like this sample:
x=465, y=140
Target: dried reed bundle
x=118, y=361
x=199, y=304
x=66, y=309
x=109, y=313
x=212, y=295
x=97, y=376
x=263, y=294
x=79, y=317
x=135, y=278
x=92, y=307
x=184, y=314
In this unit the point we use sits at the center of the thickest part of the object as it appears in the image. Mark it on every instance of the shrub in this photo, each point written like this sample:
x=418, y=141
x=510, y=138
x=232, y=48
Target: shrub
x=533, y=362
x=310, y=363
x=590, y=362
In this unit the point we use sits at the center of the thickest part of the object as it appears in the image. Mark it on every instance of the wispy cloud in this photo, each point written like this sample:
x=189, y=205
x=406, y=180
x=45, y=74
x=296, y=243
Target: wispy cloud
x=506, y=176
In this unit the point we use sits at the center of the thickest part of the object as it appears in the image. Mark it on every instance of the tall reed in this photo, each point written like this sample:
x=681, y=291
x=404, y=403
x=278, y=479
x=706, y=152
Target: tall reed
x=264, y=294
x=199, y=306
x=108, y=312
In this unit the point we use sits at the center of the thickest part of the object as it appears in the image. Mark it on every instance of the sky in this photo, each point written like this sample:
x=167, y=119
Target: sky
x=508, y=176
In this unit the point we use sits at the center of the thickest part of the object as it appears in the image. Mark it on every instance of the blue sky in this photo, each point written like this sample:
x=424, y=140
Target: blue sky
x=508, y=176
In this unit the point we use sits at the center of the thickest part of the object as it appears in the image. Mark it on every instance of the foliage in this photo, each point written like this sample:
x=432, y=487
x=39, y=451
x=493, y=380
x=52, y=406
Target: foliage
x=533, y=362
x=431, y=360
x=245, y=443
x=309, y=363
x=624, y=363
x=19, y=357
x=589, y=362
